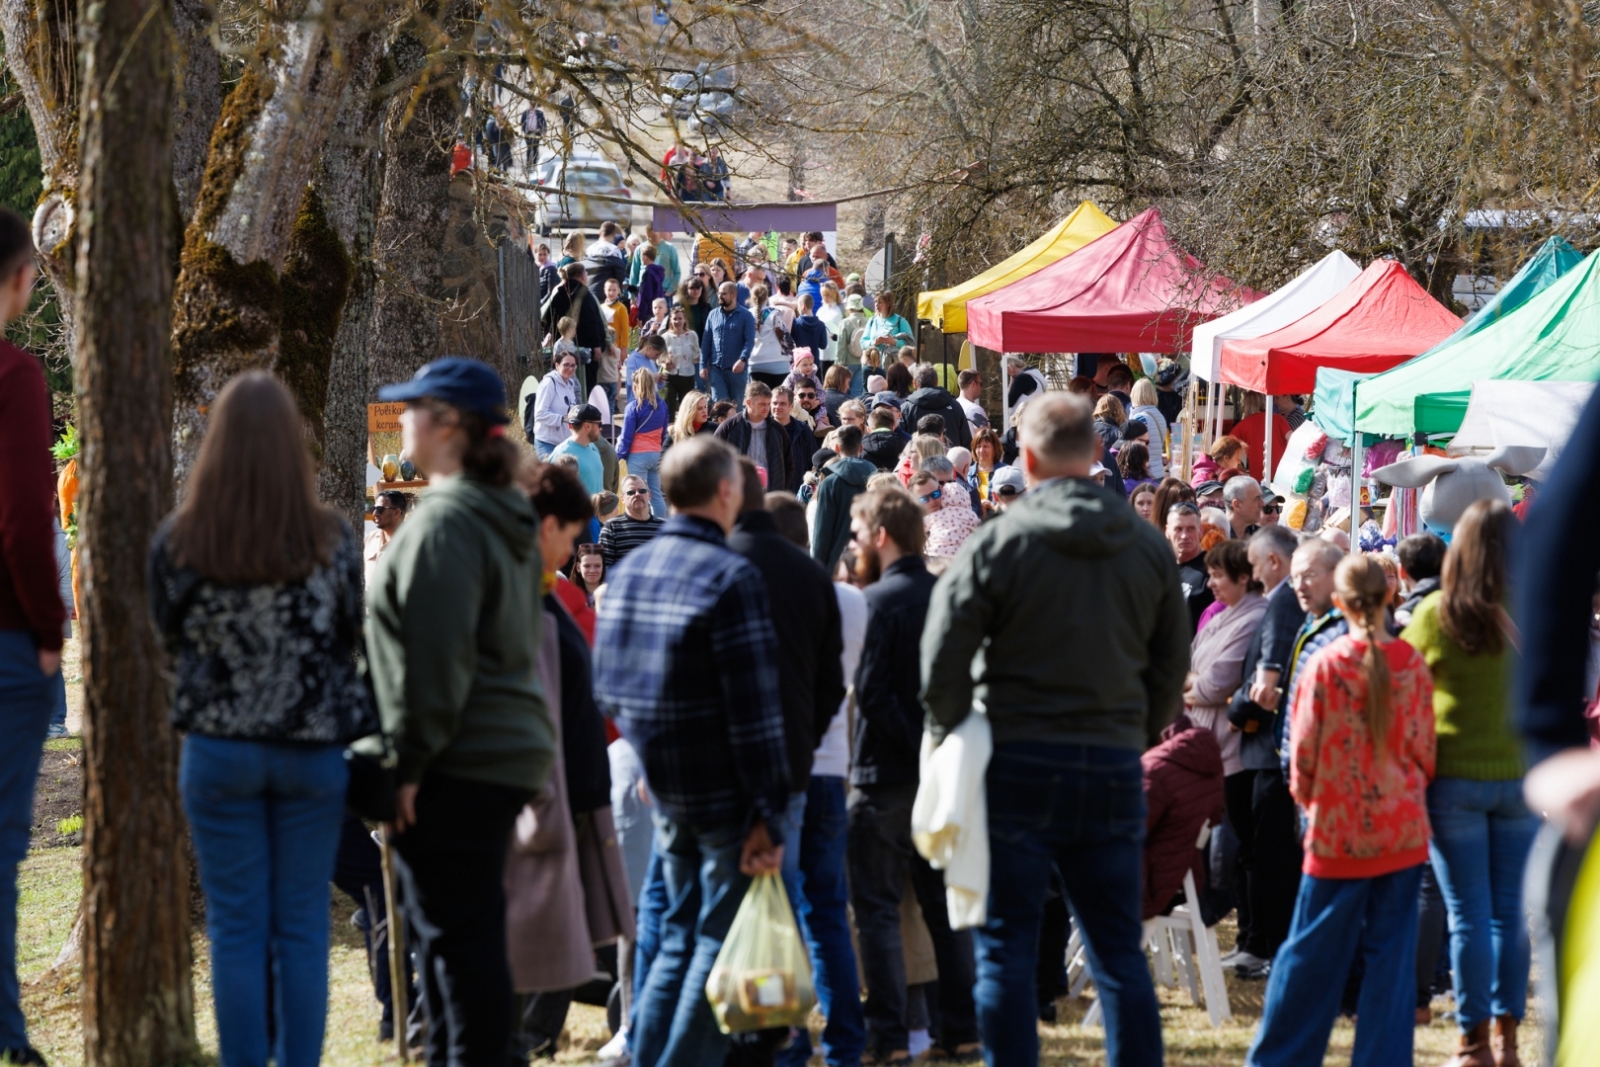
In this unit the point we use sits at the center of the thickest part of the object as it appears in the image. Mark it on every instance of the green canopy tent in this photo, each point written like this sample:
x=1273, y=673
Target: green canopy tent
x=1335, y=393
x=1553, y=335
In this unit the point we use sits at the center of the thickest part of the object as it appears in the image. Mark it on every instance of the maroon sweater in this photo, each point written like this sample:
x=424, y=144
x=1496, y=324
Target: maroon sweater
x=1182, y=792
x=30, y=593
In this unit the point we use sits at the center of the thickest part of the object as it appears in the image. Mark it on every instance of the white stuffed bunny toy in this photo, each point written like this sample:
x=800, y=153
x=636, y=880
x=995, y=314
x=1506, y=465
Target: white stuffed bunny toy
x=1454, y=483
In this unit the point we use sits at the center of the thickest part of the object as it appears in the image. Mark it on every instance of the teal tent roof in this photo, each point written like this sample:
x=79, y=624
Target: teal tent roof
x=1543, y=325
x=1334, y=407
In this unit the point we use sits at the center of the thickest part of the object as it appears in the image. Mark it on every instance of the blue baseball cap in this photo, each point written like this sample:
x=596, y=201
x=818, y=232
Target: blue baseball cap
x=467, y=383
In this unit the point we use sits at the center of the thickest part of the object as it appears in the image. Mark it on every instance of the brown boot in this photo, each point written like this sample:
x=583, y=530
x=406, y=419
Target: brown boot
x=1472, y=1048
x=1504, y=1041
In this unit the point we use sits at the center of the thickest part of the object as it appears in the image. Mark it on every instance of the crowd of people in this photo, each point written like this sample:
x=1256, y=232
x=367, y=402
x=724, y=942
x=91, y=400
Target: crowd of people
x=620, y=673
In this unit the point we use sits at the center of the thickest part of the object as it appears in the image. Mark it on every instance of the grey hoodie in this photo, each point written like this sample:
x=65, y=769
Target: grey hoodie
x=1065, y=619
x=453, y=632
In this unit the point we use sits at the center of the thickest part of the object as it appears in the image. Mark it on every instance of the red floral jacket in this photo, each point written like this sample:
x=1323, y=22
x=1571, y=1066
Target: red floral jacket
x=1366, y=811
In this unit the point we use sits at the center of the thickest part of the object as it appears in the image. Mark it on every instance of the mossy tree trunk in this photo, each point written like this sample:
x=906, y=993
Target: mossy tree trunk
x=198, y=98
x=414, y=210
x=229, y=306
x=138, y=1008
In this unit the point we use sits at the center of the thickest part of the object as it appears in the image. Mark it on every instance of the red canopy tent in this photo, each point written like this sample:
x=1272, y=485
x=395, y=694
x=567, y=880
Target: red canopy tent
x=1131, y=290
x=1380, y=320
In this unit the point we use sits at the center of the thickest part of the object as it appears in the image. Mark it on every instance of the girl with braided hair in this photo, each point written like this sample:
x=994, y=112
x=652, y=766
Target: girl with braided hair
x=1362, y=754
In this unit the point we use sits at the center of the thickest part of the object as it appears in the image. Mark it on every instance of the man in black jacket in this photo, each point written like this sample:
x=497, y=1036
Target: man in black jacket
x=754, y=433
x=805, y=614
x=803, y=443
x=888, y=536
x=604, y=260
x=573, y=300
x=1260, y=809
x=1065, y=620
x=932, y=399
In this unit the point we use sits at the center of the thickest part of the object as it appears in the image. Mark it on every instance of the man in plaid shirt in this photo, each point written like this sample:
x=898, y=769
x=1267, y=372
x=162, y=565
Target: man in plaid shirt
x=686, y=665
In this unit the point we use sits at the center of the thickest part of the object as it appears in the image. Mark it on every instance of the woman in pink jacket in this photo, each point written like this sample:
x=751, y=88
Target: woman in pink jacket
x=1217, y=654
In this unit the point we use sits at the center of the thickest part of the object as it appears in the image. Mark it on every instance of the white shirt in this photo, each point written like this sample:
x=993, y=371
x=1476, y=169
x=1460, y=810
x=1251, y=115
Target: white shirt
x=556, y=396
x=832, y=758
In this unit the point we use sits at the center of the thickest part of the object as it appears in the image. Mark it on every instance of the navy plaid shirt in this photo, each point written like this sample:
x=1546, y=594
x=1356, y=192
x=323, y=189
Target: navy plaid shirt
x=685, y=663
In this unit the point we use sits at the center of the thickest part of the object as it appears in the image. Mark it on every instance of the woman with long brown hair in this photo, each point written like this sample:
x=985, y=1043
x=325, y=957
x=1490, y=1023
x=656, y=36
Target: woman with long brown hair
x=455, y=625
x=1361, y=756
x=1169, y=492
x=256, y=590
x=1482, y=829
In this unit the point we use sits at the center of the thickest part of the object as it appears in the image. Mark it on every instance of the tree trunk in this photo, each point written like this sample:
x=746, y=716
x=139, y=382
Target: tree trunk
x=199, y=99
x=41, y=53
x=229, y=306
x=138, y=1008
x=413, y=215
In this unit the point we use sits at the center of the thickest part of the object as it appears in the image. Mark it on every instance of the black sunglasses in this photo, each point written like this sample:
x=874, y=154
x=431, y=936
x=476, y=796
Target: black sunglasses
x=636, y=492
x=379, y=509
x=805, y=396
x=1271, y=509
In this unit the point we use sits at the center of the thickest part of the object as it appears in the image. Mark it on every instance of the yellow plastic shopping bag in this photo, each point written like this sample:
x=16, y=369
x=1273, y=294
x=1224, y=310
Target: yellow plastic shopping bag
x=762, y=977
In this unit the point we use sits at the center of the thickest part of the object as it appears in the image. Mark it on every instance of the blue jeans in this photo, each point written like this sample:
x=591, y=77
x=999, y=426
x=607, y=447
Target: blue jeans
x=823, y=896
x=647, y=924
x=726, y=385
x=647, y=465
x=543, y=449
x=1077, y=809
x=25, y=700
x=1481, y=835
x=700, y=870
x=266, y=820
x=1333, y=917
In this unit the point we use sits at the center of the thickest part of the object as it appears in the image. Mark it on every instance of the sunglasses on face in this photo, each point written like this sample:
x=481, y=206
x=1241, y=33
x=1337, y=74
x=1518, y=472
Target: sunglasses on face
x=636, y=492
x=379, y=509
x=1271, y=509
x=805, y=396
x=931, y=497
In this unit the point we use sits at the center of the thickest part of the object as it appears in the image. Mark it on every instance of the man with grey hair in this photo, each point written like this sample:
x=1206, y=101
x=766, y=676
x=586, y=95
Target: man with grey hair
x=933, y=399
x=1070, y=720
x=942, y=468
x=636, y=525
x=1241, y=498
x=1260, y=807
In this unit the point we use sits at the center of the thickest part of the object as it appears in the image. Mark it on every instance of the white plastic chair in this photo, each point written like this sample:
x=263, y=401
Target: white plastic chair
x=1182, y=948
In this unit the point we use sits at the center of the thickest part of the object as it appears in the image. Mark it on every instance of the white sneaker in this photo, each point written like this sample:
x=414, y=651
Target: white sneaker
x=617, y=1046
x=1243, y=961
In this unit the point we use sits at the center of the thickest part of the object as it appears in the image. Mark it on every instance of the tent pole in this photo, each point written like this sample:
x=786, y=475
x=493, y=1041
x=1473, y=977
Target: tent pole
x=1193, y=422
x=1355, y=490
x=1266, y=443
x=1005, y=395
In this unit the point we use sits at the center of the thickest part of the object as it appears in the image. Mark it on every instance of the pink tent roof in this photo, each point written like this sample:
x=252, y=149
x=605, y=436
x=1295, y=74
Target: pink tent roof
x=1380, y=320
x=1131, y=290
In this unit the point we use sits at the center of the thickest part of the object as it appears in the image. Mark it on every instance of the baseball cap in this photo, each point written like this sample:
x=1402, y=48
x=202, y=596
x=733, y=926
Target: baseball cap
x=468, y=384
x=581, y=413
x=1207, y=488
x=886, y=399
x=1008, y=478
x=1098, y=468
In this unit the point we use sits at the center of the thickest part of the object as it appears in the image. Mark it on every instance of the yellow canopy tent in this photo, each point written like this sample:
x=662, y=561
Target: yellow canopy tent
x=947, y=308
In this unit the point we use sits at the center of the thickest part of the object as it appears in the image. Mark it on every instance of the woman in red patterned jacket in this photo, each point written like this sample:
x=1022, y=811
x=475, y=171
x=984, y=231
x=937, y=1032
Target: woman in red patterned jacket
x=1361, y=743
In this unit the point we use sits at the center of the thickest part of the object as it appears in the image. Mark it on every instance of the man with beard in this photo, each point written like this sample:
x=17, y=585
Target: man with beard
x=1183, y=534
x=888, y=537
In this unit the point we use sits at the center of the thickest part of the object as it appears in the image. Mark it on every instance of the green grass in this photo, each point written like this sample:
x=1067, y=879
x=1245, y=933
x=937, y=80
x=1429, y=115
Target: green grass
x=50, y=880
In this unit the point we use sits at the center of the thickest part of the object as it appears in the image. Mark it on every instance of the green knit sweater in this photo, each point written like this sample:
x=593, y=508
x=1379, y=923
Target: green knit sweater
x=1470, y=711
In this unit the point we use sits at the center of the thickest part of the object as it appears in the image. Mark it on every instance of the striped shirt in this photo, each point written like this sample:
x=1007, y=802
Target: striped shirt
x=623, y=534
x=685, y=664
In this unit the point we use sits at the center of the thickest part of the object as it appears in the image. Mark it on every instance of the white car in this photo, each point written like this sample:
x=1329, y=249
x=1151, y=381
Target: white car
x=563, y=197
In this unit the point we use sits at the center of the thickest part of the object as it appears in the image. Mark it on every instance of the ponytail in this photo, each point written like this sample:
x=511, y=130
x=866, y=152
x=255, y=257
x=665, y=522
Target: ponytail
x=490, y=457
x=1364, y=588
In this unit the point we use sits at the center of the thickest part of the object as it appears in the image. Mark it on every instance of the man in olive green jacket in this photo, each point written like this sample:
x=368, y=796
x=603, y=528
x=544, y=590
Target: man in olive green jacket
x=1064, y=621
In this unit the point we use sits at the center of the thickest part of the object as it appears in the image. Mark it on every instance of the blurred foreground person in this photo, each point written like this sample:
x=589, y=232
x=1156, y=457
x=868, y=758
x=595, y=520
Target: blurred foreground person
x=256, y=590
x=1065, y=785
x=31, y=611
x=455, y=626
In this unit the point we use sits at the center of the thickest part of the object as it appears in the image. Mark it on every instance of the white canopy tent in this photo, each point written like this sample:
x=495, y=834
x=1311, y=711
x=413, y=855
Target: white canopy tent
x=1306, y=292
x=1536, y=414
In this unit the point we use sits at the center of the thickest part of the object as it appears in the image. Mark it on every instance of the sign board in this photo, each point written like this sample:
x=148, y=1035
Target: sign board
x=384, y=418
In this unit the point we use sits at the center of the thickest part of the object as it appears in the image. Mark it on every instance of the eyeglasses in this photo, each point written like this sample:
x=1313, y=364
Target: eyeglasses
x=636, y=492
x=931, y=497
x=805, y=396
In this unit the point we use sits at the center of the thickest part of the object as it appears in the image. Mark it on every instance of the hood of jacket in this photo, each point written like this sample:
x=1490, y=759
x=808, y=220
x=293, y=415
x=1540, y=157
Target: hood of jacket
x=501, y=509
x=1188, y=746
x=930, y=397
x=602, y=248
x=1076, y=518
x=853, y=470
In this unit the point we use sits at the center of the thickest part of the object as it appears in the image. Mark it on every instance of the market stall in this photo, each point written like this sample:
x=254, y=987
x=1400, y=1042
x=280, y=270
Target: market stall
x=947, y=308
x=1379, y=320
x=1133, y=290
